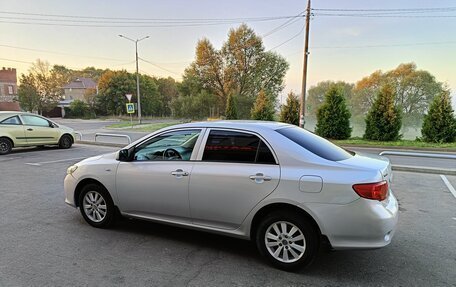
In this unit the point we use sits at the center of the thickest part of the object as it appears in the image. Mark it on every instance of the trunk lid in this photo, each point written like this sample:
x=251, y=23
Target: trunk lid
x=371, y=161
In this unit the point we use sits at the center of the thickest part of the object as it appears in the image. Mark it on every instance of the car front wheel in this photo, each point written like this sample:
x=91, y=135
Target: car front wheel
x=287, y=240
x=96, y=206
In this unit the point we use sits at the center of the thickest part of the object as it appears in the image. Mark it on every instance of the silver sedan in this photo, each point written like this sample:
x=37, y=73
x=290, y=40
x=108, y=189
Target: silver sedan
x=276, y=184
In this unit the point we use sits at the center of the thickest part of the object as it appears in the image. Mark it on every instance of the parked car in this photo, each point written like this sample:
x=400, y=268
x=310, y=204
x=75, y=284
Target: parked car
x=19, y=129
x=279, y=185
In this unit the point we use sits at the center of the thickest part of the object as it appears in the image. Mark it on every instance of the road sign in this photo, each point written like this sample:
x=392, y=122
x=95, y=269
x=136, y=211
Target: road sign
x=128, y=97
x=130, y=108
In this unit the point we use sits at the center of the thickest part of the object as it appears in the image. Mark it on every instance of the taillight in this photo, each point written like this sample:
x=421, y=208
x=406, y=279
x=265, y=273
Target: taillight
x=376, y=191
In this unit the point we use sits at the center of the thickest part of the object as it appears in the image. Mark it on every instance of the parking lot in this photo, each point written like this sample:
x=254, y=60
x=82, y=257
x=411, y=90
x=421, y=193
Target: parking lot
x=45, y=242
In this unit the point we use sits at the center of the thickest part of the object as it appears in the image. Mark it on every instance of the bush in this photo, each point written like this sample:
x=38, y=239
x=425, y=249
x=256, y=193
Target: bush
x=231, y=108
x=333, y=116
x=439, y=124
x=290, y=111
x=78, y=109
x=384, y=120
x=263, y=109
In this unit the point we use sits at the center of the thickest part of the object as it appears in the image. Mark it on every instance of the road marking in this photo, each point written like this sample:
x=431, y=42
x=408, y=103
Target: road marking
x=53, y=161
x=448, y=184
x=9, y=158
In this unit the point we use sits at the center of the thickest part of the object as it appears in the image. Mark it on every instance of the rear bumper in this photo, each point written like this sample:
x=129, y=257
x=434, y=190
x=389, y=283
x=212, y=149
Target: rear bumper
x=362, y=224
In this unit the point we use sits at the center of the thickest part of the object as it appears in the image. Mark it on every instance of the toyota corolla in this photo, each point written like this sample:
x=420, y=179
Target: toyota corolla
x=278, y=185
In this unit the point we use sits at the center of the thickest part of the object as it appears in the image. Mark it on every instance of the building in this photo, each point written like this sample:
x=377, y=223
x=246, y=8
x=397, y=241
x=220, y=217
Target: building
x=75, y=90
x=8, y=90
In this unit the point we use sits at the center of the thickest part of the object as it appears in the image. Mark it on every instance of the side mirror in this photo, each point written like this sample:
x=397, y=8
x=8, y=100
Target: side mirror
x=123, y=155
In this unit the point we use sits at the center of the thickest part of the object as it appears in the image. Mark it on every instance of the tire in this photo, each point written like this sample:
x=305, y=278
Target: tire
x=65, y=142
x=96, y=206
x=5, y=146
x=287, y=240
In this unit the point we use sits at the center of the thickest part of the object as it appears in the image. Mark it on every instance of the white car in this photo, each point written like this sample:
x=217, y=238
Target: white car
x=276, y=184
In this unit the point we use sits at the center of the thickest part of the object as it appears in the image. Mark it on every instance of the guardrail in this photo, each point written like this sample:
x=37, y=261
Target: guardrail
x=418, y=154
x=79, y=134
x=113, y=135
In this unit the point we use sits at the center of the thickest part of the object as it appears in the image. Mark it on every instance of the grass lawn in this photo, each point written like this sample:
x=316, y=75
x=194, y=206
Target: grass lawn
x=142, y=128
x=401, y=143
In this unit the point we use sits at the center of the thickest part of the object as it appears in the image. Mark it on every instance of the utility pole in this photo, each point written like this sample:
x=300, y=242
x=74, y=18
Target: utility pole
x=137, y=73
x=302, y=109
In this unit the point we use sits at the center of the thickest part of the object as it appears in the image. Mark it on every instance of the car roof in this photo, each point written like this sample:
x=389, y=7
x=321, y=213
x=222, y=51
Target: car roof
x=235, y=124
x=6, y=114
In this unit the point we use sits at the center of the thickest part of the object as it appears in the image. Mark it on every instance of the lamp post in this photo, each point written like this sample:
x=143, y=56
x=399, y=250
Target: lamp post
x=137, y=73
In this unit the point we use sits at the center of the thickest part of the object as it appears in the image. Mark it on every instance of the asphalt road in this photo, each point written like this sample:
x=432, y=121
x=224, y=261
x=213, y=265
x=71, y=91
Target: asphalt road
x=44, y=242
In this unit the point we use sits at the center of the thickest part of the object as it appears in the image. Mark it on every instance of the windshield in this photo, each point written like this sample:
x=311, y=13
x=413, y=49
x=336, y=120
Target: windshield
x=315, y=144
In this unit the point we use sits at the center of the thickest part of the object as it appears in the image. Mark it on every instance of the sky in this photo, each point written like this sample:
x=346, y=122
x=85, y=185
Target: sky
x=343, y=48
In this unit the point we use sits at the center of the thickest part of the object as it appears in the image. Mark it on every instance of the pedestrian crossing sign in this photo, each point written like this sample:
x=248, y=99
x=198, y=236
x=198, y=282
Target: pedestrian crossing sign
x=130, y=108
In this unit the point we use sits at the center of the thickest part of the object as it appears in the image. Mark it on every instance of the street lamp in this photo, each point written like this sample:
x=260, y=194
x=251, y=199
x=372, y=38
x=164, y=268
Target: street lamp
x=137, y=72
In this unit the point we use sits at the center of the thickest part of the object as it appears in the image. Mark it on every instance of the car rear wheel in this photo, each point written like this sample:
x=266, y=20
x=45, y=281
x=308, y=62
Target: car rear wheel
x=5, y=146
x=287, y=240
x=65, y=142
x=96, y=206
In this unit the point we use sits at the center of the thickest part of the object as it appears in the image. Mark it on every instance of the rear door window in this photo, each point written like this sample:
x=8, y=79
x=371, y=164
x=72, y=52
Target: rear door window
x=233, y=146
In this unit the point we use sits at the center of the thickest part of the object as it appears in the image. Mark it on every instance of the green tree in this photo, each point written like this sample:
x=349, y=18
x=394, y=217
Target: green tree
x=384, y=119
x=28, y=95
x=241, y=67
x=316, y=94
x=168, y=91
x=263, y=109
x=112, y=88
x=290, y=110
x=333, y=116
x=231, y=108
x=439, y=124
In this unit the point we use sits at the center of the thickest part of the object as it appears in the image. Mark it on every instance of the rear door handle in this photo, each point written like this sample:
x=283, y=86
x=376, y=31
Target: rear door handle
x=260, y=178
x=30, y=129
x=179, y=173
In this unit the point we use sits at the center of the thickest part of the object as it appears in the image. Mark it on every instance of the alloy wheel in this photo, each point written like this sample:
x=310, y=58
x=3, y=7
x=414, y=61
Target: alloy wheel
x=285, y=241
x=94, y=206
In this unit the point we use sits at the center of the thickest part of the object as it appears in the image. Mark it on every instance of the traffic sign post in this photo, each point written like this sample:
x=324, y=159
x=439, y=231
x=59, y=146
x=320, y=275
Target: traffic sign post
x=130, y=108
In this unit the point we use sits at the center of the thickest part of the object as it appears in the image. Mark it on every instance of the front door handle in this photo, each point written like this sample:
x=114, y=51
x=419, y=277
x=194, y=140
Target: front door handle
x=179, y=173
x=30, y=129
x=260, y=178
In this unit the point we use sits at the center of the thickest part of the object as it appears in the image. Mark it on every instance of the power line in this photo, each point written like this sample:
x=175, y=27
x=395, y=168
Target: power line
x=442, y=9
x=286, y=41
x=158, y=66
x=382, y=15
x=150, y=19
x=284, y=25
x=60, y=53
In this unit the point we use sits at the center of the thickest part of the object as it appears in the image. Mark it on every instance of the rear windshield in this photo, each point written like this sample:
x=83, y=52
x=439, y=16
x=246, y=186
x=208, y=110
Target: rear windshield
x=315, y=144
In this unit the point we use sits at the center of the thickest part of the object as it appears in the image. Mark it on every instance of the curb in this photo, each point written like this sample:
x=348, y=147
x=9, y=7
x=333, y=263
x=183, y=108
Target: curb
x=403, y=148
x=417, y=169
x=101, y=143
x=423, y=169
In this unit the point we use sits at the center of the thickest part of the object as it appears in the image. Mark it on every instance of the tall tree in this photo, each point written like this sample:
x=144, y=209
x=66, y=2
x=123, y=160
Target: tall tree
x=384, y=120
x=316, y=94
x=333, y=117
x=231, y=108
x=439, y=124
x=414, y=89
x=241, y=67
x=168, y=92
x=27, y=93
x=46, y=85
x=290, y=110
x=263, y=109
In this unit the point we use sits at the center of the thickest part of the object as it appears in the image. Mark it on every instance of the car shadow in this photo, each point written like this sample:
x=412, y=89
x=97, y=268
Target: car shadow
x=21, y=150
